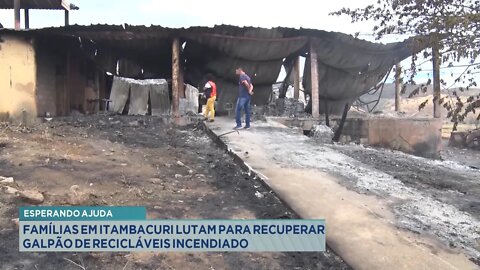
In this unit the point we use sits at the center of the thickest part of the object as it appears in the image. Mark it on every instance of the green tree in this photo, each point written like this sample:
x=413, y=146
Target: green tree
x=452, y=26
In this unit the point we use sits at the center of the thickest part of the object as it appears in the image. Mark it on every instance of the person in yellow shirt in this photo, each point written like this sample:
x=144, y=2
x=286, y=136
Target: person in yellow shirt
x=210, y=90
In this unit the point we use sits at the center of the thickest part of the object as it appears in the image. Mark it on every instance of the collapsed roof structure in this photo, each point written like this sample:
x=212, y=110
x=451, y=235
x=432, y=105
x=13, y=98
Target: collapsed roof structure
x=347, y=67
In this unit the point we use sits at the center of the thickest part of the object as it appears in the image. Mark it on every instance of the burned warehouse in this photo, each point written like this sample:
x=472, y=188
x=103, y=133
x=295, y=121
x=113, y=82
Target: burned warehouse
x=59, y=70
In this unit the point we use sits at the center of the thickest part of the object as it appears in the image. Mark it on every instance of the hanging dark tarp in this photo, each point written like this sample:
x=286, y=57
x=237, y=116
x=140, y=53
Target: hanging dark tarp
x=349, y=67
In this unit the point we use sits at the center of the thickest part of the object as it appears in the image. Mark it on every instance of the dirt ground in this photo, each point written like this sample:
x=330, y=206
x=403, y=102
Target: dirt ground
x=437, y=199
x=454, y=182
x=112, y=160
x=451, y=181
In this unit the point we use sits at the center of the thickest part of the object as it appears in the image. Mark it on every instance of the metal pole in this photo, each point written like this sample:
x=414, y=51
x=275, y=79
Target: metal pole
x=436, y=82
x=67, y=18
x=27, y=18
x=296, y=83
x=398, y=86
x=314, y=81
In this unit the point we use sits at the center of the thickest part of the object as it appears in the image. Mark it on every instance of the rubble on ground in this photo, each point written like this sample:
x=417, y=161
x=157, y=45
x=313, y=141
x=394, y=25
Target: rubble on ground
x=465, y=139
x=32, y=196
x=322, y=133
x=287, y=107
x=6, y=180
x=9, y=190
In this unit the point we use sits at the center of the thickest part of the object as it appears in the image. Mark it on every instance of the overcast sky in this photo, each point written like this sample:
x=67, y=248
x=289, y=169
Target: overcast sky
x=185, y=13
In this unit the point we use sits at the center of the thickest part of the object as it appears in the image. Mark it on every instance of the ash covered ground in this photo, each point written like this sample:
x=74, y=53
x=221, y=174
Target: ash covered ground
x=118, y=160
x=438, y=198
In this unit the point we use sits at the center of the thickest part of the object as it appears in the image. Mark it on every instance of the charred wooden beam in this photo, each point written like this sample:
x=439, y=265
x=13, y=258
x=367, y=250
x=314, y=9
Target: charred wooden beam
x=176, y=77
x=296, y=79
x=436, y=82
x=314, y=81
x=338, y=132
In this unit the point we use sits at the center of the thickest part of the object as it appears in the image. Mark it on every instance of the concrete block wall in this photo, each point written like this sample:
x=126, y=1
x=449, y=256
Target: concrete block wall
x=422, y=137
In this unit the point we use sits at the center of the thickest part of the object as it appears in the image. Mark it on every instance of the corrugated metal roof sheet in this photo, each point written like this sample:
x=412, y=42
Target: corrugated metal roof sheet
x=39, y=4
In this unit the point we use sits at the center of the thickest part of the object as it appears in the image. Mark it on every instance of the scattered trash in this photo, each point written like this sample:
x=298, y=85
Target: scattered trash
x=10, y=190
x=74, y=188
x=134, y=124
x=178, y=176
x=230, y=132
x=259, y=195
x=6, y=180
x=155, y=180
x=179, y=163
x=16, y=221
x=322, y=133
x=32, y=196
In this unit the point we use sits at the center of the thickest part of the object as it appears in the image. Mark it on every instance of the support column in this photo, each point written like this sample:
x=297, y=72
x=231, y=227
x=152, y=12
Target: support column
x=436, y=82
x=175, y=77
x=67, y=17
x=296, y=79
x=398, y=86
x=68, y=72
x=16, y=10
x=27, y=18
x=338, y=132
x=314, y=81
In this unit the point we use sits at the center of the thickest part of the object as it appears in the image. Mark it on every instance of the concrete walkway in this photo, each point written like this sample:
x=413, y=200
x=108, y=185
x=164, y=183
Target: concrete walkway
x=361, y=228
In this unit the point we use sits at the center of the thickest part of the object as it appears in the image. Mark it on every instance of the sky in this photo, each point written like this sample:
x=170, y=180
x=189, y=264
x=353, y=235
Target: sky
x=185, y=13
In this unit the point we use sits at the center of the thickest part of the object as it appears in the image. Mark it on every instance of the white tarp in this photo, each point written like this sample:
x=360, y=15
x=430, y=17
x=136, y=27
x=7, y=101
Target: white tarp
x=159, y=98
x=119, y=94
x=189, y=104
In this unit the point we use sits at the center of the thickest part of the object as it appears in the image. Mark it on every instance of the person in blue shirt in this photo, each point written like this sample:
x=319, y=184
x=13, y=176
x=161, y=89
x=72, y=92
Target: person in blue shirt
x=245, y=92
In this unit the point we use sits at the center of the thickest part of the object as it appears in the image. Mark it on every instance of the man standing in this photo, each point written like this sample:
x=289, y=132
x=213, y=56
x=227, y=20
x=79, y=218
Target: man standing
x=245, y=91
x=210, y=90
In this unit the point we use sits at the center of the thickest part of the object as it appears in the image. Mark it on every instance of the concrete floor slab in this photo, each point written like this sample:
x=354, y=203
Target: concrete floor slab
x=361, y=228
